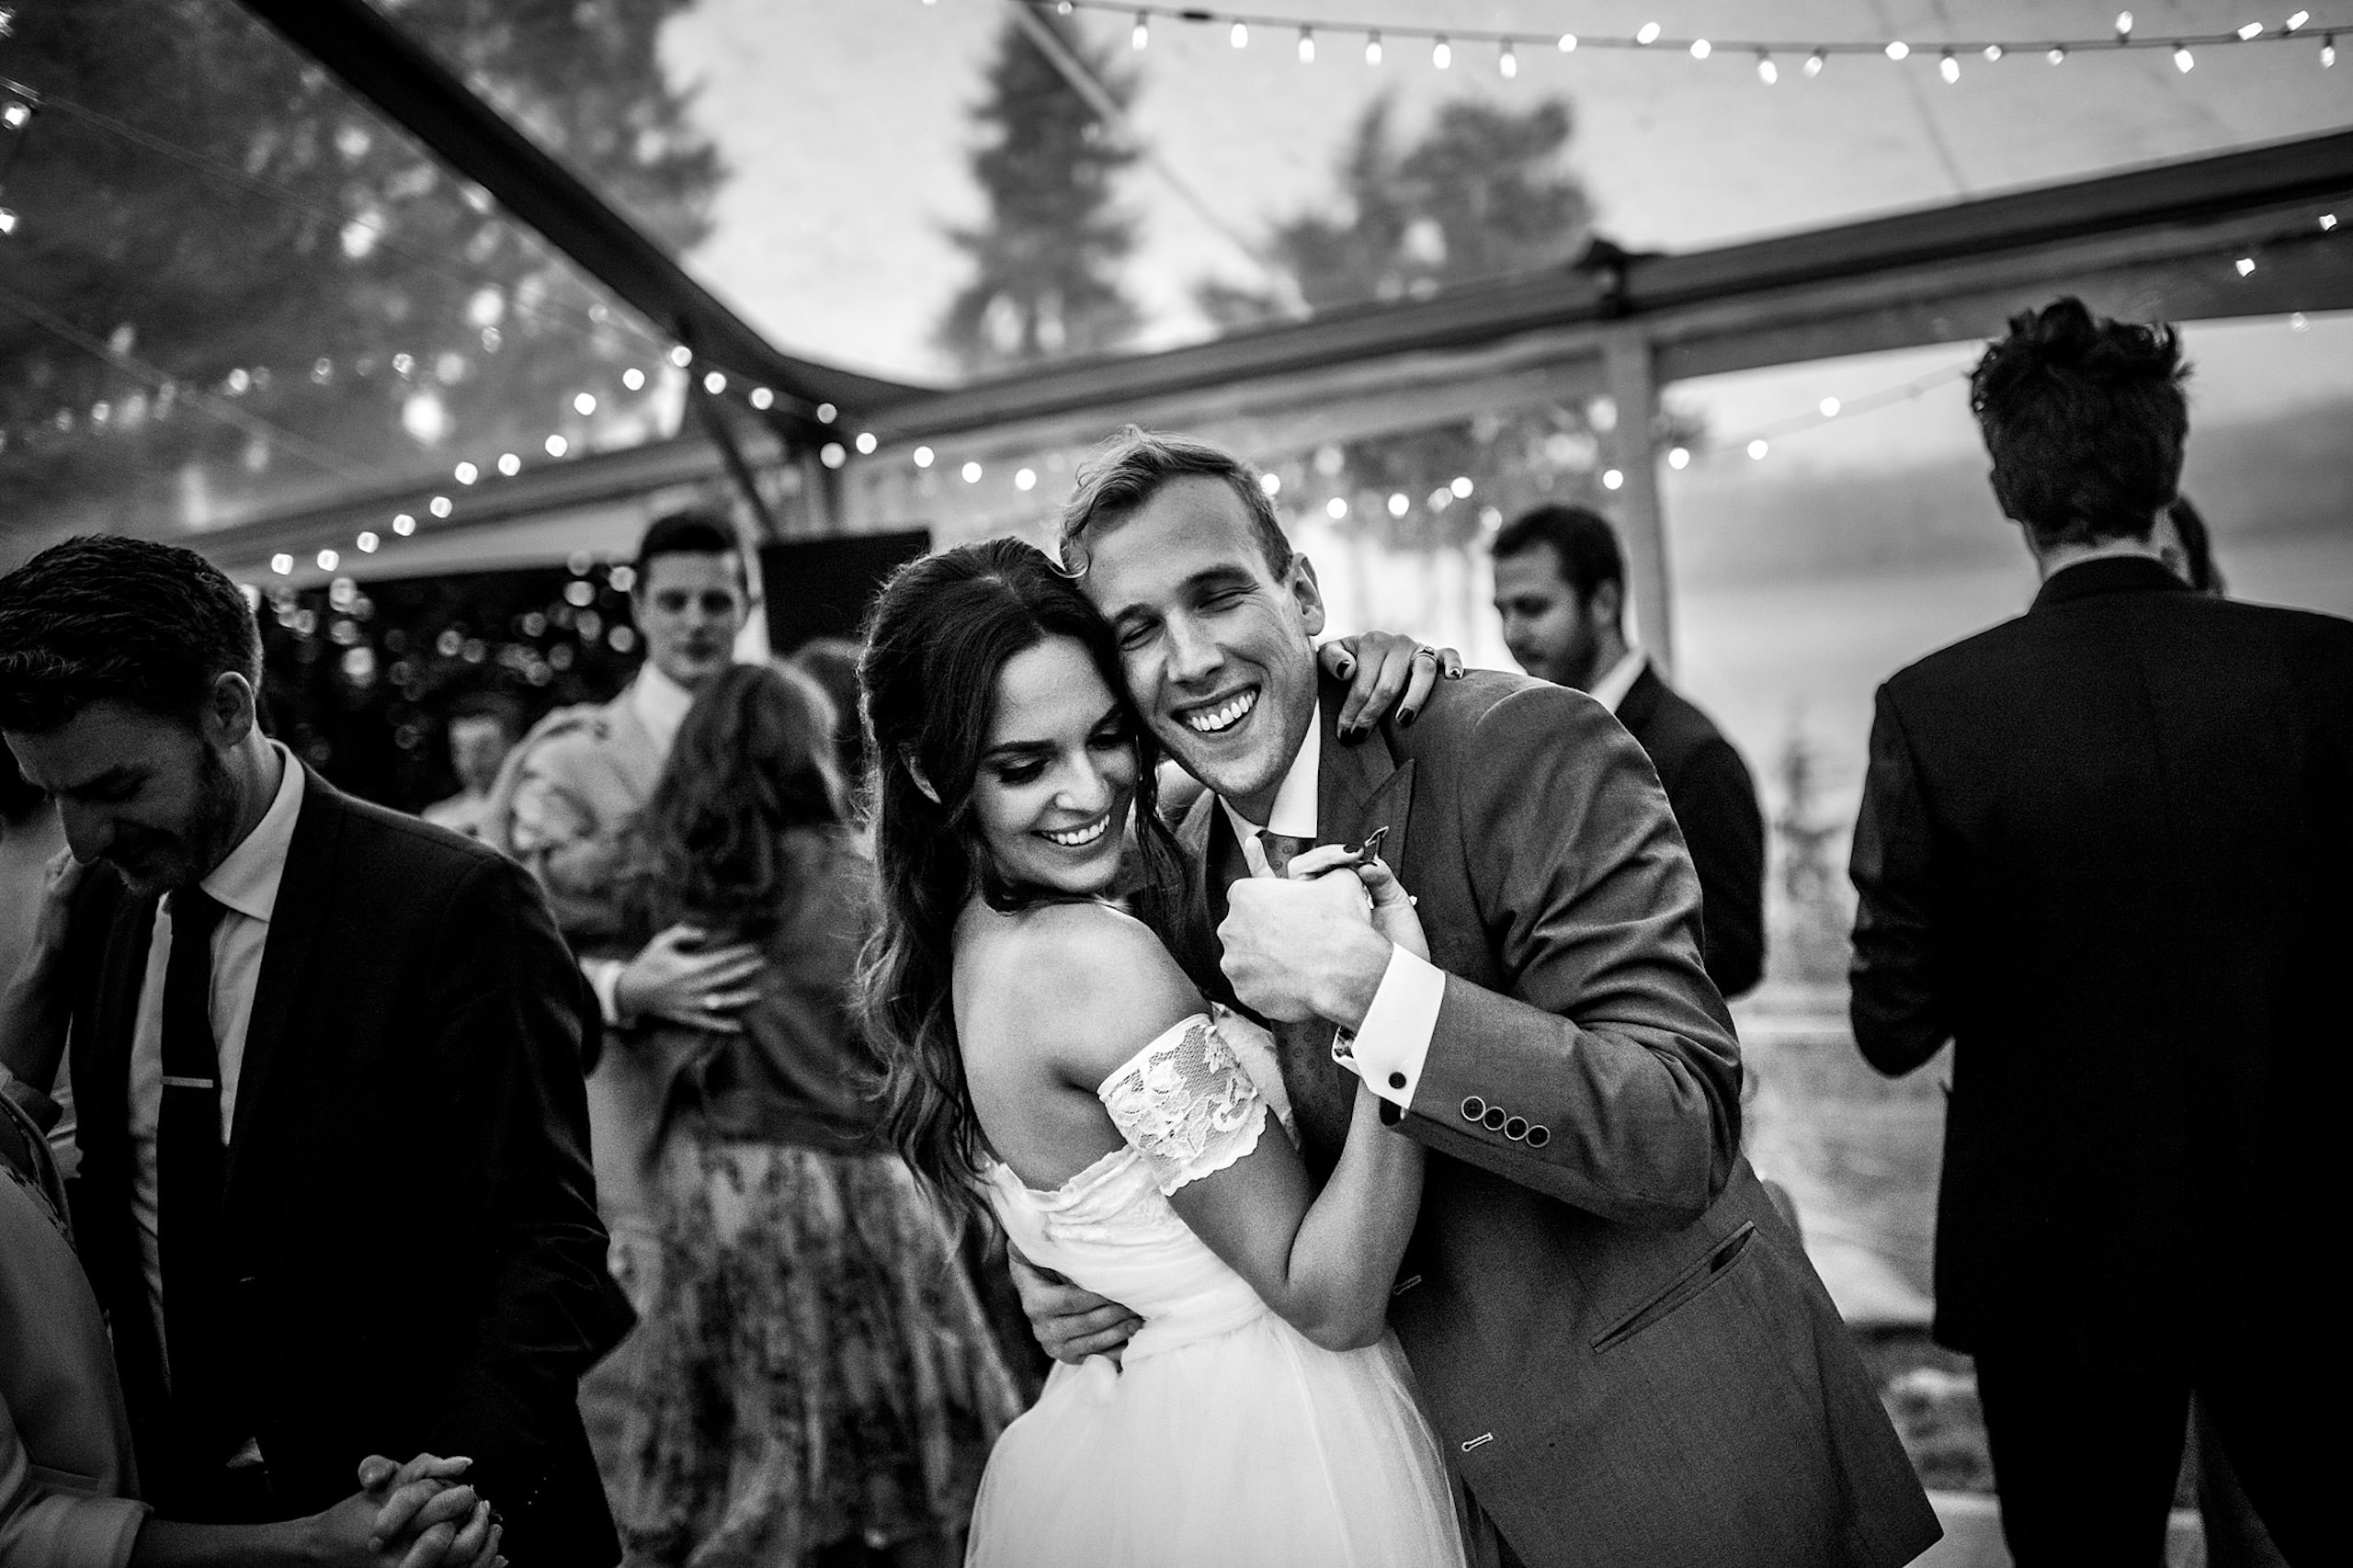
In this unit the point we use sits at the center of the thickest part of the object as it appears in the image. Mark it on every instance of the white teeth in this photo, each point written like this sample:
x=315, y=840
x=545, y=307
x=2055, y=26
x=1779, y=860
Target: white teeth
x=1224, y=716
x=1079, y=837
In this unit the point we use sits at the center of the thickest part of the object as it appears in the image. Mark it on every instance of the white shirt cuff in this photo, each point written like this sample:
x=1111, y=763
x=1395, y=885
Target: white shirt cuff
x=605, y=979
x=1394, y=1040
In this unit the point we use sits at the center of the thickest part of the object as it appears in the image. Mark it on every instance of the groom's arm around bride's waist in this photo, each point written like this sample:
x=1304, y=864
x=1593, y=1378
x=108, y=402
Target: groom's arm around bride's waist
x=1580, y=1049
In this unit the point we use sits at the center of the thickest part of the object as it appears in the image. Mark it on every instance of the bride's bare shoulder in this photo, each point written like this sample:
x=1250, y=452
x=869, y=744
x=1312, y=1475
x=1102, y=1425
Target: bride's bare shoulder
x=1089, y=984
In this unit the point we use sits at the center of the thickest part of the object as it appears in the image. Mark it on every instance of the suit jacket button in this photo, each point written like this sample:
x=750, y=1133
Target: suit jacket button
x=1515, y=1129
x=1473, y=1107
x=1494, y=1120
x=1539, y=1135
x=1396, y=1080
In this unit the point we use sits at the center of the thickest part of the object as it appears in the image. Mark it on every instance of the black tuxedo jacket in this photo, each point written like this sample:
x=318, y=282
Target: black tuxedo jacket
x=2107, y=849
x=1715, y=803
x=1620, y=1345
x=417, y=1259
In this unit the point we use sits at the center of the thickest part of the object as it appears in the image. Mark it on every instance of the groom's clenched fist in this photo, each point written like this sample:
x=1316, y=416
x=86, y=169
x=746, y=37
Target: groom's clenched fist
x=1302, y=950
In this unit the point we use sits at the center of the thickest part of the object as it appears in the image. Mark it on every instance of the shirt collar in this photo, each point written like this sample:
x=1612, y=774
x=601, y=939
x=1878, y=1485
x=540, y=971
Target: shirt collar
x=1611, y=690
x=248, y=880
x=1294, y=813
x=660, y=704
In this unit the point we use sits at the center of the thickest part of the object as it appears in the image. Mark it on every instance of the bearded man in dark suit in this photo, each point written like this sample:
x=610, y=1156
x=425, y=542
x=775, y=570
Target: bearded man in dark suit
x=1621, y=1347
x=2104, y=850
x=335, y=1193
x=1561, y=592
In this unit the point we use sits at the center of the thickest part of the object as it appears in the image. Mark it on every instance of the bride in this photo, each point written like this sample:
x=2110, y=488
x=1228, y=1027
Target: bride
x=1052, y=1056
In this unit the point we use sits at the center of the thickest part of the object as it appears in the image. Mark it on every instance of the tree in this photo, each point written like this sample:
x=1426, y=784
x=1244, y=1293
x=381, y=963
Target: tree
x=1482, y=195
x=259, y=236
x=1045, y=263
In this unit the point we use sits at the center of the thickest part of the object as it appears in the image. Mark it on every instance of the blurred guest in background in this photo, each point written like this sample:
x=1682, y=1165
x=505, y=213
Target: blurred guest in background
x=2187, y=548
x=328, y=1060
x=31, y=837
x=559, y=807
x=1561, y=590
x=2105, y=849
x=832, y=663
x=482, y=731
x=814, y=1373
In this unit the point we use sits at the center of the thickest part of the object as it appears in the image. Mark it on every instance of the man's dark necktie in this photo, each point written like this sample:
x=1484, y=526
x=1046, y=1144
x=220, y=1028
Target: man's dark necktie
x=188, y=1164
x=1323, y=1094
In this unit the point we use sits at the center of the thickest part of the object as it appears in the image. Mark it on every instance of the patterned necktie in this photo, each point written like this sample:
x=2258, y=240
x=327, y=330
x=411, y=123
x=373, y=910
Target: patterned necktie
x=1281, y=848
x=189, y=1160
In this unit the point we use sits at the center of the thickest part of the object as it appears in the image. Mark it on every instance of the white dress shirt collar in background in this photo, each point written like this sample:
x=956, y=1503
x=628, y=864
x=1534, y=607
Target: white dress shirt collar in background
x=1611, y=690
x=245, y=883
x=660, y=704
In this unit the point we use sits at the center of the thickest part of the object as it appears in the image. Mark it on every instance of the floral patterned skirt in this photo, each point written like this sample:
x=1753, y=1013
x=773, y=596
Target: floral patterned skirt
x=816, y=1368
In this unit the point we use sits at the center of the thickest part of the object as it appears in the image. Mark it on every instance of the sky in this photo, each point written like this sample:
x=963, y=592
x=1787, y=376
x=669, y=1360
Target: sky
x=846, y=123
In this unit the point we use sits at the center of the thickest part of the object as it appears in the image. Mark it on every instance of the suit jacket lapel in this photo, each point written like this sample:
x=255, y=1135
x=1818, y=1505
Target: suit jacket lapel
x=1360, y=787
x=294, y=923
x=1641, y=699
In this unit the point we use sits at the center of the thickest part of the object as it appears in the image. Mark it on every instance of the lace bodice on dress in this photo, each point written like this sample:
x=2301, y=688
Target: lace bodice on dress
x=1190, y=1105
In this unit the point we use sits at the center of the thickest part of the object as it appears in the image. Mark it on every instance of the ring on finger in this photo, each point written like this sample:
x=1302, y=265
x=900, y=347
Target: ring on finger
x=1430, y=653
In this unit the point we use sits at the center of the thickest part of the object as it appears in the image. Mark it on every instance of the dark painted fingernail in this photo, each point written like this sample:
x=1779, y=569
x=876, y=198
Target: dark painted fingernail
x=1405, y=717
x=1456, y=673
x=1348, y=668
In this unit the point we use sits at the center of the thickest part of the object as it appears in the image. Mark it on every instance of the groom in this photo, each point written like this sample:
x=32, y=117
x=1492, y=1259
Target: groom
x=1622, y=1348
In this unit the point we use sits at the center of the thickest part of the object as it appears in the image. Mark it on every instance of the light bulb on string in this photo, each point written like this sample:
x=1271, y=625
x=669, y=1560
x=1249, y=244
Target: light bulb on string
x=466, y=473
x=1647, y=34
x=1766, y=72
x=2183, y=60
x=2250, y=32
x=1757, y=448
x=1307, y=46
x=1140, y=36
x=1568, y=43
x=404, y=525
x=833, y=454
x=1372, y=48
x=509, y=464
x=2057, y=56
x=1898, y=50
x=714, y=384
x=440, y=506
x=1830, y=408
x=762, y=398
x=922, y=456
x=971, y=471
x=1814, y=63
x=368, y=541
x=2245, y=265
x=16, y=114
x=1507, y=63
x=585, y=404
x=8, y=219
x=866, y=443
x=681, y=356
x=2124, y=25
x=825, y=412
x=1240, y=36
x=1947, y=67
x=1993, y=53
x=2298, y=20
x=1701, y=49
x=557, y=445
x=1441, y=54
x=2327, y=221
x=633, y=379
x=2327, y=58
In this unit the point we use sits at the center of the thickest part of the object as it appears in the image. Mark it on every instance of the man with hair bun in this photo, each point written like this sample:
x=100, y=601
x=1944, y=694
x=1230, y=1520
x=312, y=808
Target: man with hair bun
x=2105, y=850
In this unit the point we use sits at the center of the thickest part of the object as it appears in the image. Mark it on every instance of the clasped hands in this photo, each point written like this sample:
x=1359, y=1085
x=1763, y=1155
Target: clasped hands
x=418, y=1515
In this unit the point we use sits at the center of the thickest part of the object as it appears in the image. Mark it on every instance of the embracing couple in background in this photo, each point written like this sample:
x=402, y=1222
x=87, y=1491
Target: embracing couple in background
x=1384, y=1101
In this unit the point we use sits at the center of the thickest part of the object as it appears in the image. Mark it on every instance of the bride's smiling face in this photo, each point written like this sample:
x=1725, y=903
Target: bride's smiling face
x=1057, y=773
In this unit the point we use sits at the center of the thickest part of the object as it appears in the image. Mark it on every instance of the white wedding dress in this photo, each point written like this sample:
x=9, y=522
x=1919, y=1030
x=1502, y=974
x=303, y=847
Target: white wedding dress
x=1229, y=1439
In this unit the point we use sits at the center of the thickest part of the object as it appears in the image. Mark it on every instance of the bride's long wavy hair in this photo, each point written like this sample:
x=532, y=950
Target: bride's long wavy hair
x=939, y=633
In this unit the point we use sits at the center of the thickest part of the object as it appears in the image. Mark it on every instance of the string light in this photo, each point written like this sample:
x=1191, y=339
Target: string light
x=1993, y=53
x=467, y=473
x=1441, y=54
x=368, y=541
x=762, y=399
x=2250, y=32
x=1240, y=37
x=1766, y=72
x=633, y=379
x=1507, y=63
x=2245, y=266
x=1335, y=508
x=923, y=456
x=1026, y=480
x=1947, y=67
x=681, y=356
x=866, y=443
x=1647, y=34
x=1372, y=48
x=971, y=471
x=2298, y=20
x=1814, y=63
x=2183, y=60
x=404, y=525
x=1700, y=49
x=1307, y=46
x=509, y=464
x=328, y=560
x=2123, y=25
x=1612, y=478
x=1830, y=406
x=827, y=412
x=557, y=445
x=714, y=384
x=440, y=506
x=282, y=563
x=832, y=454
x=2057, y=56
x=1757, y=448
x=8, y=219
x=1568, y=44
x=585, y=404
x=1898, y=50
x=2327, y=52
x=1140, y=36
x=17, y=115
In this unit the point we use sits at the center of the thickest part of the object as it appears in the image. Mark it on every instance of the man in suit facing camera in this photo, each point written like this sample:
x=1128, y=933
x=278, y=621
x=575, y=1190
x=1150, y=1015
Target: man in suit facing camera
x=1621, y=1347
x=2104, y=850
x=335, y=1194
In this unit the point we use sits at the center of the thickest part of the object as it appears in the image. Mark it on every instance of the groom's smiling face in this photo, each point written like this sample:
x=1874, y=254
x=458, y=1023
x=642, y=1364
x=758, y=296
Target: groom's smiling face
x=1217, y=645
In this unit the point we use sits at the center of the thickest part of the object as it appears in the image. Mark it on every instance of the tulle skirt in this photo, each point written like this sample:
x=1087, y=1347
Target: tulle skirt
x=1253, y=1447
x=815, y=1369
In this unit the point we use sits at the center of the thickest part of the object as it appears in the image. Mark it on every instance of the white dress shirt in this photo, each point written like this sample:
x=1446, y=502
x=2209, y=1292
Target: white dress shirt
x=246, y=886
x=1611, y=690
x=1394, y=1039
x=660, y=704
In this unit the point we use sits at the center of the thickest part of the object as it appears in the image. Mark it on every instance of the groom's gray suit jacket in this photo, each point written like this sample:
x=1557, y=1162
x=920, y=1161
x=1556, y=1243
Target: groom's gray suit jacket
x=1621, y=1346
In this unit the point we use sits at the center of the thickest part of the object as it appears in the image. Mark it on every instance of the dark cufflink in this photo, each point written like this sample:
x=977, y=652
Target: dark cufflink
x=1494, y=1120
x=1515, y=1129
x=1396, y=1080
x=1539, y=1135
x=1473, y=1107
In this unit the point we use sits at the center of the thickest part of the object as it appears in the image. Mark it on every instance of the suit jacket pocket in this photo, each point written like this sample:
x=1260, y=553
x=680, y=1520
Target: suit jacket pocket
x=1679, y=1292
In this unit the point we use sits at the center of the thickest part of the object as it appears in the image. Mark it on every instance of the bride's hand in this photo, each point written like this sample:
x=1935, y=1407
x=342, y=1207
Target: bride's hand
x=1386, y=672
x=1388, y=905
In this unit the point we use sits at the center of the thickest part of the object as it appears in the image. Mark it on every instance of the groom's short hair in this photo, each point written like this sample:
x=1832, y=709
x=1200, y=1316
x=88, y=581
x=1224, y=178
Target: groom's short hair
x=1129, y=470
